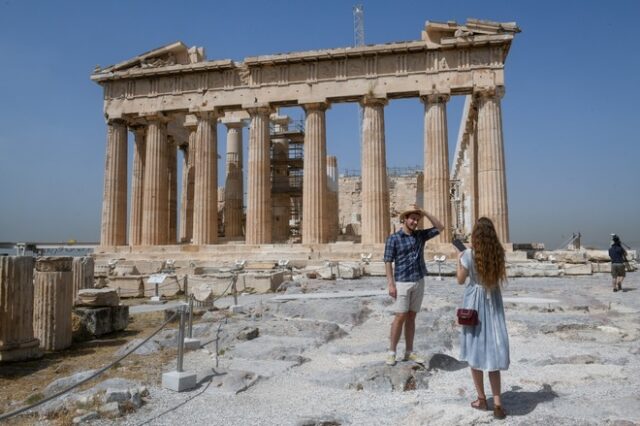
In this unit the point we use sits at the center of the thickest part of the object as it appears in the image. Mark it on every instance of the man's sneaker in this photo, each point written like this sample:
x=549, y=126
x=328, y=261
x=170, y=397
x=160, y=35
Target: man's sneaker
x=412, y=356
x=391, y=359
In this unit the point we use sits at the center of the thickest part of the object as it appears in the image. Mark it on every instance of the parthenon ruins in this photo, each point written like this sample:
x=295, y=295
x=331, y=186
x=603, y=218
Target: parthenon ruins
x=172, y=98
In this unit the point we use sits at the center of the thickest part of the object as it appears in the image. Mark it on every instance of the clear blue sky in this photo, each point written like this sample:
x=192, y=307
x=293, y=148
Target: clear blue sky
x=570, y=113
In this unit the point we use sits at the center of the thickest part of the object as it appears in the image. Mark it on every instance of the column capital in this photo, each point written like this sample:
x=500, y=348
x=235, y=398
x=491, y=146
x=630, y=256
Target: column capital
x=489, y=92
x=435, y=98
x=259, y=109
x=160, y=117
x=205, y=115
x=138, y=128
x=117, y=121
x=312, y=106
x=373, y=101
x=233, y=124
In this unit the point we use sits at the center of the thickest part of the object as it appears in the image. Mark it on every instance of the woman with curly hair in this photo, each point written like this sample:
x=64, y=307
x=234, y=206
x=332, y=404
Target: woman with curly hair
x=484, y=346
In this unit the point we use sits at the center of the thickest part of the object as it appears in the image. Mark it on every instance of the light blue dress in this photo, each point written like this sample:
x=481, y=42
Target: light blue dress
x=484, y=346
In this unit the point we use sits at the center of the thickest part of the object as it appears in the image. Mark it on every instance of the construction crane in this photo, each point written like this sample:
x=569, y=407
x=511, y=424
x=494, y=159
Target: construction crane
x=358, y=25
x=358, y=40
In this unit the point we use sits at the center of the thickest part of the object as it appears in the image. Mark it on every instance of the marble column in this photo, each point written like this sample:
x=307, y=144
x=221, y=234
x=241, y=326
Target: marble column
x=113, y=230
x=332, y=198
x=186, y=198
x=234, y=187
x=492, y=184
x=314, y=183
x=258, y=227
x=188, y=181
x=17, y=341
x=205, y=199
x=155, y=218
x=375, y=192
x=172, y=184
x=436, y=163
x=280, y=194
x=137, y=185
x=52, y=302
x=473, y=175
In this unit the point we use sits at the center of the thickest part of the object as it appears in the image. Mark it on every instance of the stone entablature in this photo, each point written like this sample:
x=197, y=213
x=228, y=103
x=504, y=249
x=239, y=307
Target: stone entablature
x=450, y=59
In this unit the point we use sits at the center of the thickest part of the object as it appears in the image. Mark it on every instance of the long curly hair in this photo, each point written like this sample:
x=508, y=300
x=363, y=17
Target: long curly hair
x=488, y=254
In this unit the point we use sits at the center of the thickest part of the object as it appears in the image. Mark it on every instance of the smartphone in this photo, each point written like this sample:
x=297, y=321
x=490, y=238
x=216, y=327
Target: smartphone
x=459, y=245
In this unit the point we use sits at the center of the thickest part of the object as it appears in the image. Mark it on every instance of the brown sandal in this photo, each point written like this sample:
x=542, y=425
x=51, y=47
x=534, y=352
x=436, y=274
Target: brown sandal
x=498, y=412
x=480, y=404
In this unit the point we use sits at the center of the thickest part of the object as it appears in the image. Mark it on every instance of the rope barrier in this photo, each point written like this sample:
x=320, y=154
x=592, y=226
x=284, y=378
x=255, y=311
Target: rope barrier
x=85, y=380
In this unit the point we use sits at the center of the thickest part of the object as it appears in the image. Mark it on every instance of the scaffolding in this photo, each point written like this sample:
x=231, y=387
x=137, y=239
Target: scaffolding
x=287, y=170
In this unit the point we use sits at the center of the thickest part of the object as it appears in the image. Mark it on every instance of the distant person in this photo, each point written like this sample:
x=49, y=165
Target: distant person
x=485, y=346
x=405, y=269
x=618, y=256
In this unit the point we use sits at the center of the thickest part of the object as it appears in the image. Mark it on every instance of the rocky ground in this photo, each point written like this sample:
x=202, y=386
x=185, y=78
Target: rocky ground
x=313, y=355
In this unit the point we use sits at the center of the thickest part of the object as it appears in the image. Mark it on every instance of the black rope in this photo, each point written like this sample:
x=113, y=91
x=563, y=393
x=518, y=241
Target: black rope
x=96, y=374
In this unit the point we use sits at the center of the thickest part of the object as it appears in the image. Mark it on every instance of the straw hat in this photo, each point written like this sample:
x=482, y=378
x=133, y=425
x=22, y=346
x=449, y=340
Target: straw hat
x=413, y=208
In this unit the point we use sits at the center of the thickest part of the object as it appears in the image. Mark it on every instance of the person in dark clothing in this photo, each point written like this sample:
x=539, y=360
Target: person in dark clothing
x=618, y=256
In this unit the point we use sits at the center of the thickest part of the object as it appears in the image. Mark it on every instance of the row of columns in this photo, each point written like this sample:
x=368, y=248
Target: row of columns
x=153, y=180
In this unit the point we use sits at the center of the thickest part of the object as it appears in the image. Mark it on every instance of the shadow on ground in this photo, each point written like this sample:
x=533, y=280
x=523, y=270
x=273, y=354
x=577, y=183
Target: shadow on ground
x=520, y=403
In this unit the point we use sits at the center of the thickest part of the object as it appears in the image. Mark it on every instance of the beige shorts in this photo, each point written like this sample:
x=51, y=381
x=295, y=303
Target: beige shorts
x=409, y=296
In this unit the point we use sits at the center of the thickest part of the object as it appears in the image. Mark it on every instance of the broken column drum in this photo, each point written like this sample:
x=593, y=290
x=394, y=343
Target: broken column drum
x=52, y=302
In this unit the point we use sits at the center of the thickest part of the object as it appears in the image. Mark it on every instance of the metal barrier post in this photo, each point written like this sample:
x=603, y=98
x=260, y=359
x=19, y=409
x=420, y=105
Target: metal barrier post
x=156, y=294
x=233, y=287
x=190, y=327
x=181, y=340
x=180, y=380
x=186, y=288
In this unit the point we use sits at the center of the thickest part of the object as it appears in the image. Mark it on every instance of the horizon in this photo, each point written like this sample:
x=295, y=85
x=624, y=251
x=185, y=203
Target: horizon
x=571, y=147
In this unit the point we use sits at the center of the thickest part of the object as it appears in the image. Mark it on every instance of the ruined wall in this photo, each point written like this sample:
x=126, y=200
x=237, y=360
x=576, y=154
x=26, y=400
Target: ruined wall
x=403, y=191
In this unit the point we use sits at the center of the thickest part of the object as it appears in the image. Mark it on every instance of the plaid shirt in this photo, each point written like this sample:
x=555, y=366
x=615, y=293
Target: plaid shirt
x=407, y=251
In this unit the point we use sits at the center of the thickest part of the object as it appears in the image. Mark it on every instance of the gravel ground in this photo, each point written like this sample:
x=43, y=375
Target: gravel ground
x=575, y=357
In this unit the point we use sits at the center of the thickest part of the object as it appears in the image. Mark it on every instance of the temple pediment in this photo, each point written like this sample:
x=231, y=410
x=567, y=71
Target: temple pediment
x=172, y=54
x=438, y=34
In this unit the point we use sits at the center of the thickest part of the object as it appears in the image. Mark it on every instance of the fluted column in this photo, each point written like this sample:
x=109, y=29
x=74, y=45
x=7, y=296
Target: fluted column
x=314, y=183
x=82, y=275
x=258, y=227
x=155, y=197
x=188, y=181
x=332, y=198
x=492, y=184
x=17, y=341
x=473, y=174
x=375, y=192
x=113, y=230
x=436, y=162
x=205, y=200
x=137, y=185
x=234, y=188
x=186, y=197
x=52, y=302
x=172, y=184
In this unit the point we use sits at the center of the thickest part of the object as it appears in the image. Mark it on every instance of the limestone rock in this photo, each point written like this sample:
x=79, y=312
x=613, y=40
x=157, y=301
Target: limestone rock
x=116, y=395
x=248, y=333
x=110, y=410
x=97, y=297
x=233, y=382
x=91, y=415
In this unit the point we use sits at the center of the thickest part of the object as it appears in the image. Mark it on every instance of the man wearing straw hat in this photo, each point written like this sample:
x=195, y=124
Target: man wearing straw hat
x=404, y=252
